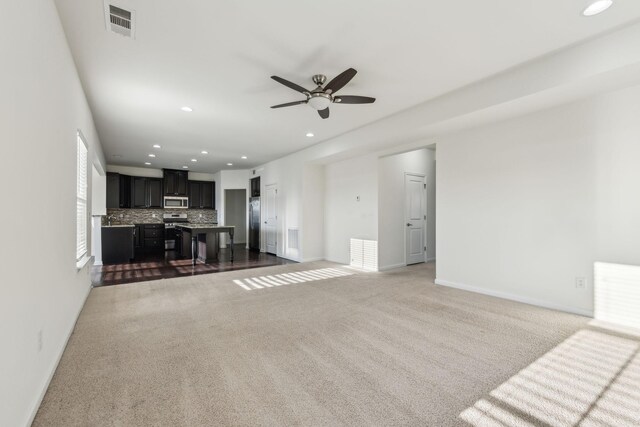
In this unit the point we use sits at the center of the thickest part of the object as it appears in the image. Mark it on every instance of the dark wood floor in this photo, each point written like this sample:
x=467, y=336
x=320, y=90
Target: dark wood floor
x=167, y=266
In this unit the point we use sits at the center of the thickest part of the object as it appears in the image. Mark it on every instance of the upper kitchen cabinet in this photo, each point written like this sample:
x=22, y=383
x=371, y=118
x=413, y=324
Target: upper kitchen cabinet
x=255, y=187
x=147, y=192
x=175, y=182
x=118, y=191
x=202, y=194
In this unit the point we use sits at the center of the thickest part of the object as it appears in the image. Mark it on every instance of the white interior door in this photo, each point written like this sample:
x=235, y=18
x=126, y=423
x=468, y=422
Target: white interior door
x=415, y=218
x=271, y=218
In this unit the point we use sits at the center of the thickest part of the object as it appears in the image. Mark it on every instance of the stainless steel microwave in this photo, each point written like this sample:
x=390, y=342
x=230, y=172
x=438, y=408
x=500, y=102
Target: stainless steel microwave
x=171, y=202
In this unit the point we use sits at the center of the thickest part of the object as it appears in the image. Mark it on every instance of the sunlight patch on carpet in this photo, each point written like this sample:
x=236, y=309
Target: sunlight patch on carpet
x=590, y=379
x=290, y=278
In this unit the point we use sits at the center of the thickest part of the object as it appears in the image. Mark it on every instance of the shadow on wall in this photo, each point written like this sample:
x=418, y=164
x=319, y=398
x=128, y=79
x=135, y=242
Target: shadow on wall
x=590, y=379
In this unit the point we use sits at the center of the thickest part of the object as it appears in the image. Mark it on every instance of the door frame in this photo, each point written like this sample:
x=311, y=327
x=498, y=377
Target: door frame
x=263, y=214
x=424, y=213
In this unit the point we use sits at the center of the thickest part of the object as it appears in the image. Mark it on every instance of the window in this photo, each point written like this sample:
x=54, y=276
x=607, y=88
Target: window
x=81, y=196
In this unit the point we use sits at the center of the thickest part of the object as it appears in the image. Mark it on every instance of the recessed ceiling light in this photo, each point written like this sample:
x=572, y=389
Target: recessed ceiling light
x=597, y=7
x=156, y=146
x=243, y=157
x=187, y=109
x=204, y=152
x=185, y=167
x=194, y=160
x=152, y=155
x=309, y=134
x=147, y=163
x=229, y=164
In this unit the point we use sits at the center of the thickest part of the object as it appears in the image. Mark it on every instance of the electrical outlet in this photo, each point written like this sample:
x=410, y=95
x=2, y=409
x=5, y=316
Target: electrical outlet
x=153, y=215
x=39, y=340
x=200, y=216
x=581, y=282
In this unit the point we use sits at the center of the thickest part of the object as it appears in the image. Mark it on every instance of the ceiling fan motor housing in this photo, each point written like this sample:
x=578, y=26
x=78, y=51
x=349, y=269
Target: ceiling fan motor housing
x=319, y=79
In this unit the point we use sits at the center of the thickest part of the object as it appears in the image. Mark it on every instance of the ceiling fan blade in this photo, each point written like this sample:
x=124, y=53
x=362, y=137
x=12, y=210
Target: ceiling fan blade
x=353, y=99
x=289, y=104
x=339, y=81
x=324, y=113
x=289, y=84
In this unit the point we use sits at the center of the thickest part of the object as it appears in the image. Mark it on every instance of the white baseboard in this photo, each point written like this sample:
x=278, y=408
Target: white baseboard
x=391, y=267
x=313, y=259
x=430, y=259
x=56, y=362
x=513, y=297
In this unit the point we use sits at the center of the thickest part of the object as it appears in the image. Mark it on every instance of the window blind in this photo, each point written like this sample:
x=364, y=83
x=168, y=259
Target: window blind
x=81, y=199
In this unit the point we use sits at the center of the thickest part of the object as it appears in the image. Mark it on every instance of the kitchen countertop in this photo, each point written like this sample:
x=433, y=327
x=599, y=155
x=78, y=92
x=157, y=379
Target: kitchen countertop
x=193, y=226
x=118, y=225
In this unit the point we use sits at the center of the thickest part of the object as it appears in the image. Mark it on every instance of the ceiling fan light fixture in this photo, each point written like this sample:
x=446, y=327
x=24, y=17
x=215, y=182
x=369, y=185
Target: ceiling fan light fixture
x=597, y=7
x=319, y=101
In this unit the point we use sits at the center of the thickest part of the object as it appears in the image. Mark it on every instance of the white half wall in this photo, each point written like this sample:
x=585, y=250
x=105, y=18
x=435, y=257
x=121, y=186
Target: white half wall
x=41, y=109
x=528, y=205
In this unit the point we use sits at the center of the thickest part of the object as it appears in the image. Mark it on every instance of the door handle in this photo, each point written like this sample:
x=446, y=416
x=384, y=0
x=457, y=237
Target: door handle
x=409, y=224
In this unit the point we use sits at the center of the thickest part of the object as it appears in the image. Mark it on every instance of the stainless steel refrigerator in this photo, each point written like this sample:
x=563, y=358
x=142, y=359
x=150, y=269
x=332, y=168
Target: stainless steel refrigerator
x=254, y=223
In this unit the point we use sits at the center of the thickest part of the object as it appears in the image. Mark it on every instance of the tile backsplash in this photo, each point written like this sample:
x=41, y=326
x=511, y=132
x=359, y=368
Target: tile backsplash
x=146, y=216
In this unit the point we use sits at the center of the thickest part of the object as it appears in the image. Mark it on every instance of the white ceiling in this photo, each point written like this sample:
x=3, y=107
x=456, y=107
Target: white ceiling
x=217, y=57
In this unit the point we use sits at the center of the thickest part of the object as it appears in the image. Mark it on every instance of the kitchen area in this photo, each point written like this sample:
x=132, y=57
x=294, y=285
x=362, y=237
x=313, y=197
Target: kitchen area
x=167, y=227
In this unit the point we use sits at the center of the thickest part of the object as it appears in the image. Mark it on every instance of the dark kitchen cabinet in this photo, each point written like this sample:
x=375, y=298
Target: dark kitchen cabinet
x=117, y=244
x=154, y=189
x=139, y=192
x=148, y=239
x=207, y=195
x=153, y=238
x=194, y=194
x=138, y=242
x=147, y=192
x=185, y=249
x=175, y=182
x=255, y=187
x=118, y=191
x=202, y=194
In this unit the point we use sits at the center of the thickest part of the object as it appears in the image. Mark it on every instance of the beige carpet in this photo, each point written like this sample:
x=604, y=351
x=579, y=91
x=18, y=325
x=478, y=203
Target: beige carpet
x=364, y=349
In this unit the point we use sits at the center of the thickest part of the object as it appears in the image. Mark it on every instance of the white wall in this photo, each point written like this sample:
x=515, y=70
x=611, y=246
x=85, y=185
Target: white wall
x=41, y=108
x=156, y=173
x=313, y=190
x=526, y=206
x=345, y=216
x=235, y=213
x=431, y=205
x=230, y=180
x=391, y=225
x=135, y=171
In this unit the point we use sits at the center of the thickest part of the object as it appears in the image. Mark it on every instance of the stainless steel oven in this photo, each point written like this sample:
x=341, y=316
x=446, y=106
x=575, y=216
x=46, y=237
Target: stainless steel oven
x=171, y=235
x=171, y=202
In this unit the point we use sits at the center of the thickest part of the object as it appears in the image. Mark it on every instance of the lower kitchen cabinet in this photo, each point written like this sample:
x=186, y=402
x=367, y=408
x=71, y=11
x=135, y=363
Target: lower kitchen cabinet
x=148, y=239
x=117, y=244
x=183, y=244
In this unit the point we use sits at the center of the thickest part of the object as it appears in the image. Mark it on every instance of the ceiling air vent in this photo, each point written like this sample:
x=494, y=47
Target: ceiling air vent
x=119, y=20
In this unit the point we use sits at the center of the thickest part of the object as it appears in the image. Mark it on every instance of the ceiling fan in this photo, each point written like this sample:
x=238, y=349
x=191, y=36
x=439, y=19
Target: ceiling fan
x=321, y=97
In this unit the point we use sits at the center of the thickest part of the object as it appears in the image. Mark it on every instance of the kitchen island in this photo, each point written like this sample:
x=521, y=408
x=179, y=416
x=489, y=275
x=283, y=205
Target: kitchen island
x=205, y=240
